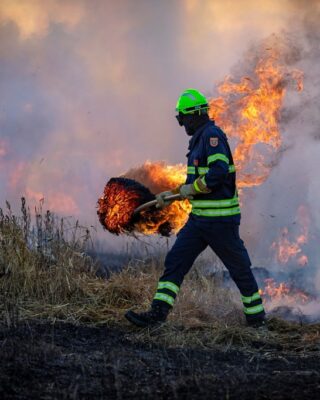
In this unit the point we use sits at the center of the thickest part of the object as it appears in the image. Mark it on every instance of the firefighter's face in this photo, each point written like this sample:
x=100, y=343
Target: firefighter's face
x=180, y=119
x=188, y=121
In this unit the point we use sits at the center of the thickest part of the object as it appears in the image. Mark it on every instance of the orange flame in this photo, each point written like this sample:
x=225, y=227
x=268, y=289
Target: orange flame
x=282, y=293
x=176, y=215
x=249, y=112
x=159, y=177
x=287, y=249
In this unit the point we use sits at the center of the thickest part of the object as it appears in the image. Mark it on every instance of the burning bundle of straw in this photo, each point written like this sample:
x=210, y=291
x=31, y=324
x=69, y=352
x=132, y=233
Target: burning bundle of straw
x=121, y=197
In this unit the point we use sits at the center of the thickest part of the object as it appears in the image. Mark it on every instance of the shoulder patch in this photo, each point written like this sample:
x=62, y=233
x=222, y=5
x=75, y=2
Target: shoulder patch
x=214, y=141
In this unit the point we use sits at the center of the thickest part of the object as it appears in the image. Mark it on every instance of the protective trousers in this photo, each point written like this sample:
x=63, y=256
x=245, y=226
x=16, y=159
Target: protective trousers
x=224, y=240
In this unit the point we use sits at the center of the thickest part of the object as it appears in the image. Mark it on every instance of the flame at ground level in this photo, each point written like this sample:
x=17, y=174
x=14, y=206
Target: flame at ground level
x=289, y=247
x=284, y=293
x=288, y=301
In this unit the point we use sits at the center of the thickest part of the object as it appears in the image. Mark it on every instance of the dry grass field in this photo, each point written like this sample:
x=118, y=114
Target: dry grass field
x=63, y=332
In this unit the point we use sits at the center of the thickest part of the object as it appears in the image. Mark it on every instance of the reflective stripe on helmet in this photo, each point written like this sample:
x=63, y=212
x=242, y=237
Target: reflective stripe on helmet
x=189, y=110
x=191, y=100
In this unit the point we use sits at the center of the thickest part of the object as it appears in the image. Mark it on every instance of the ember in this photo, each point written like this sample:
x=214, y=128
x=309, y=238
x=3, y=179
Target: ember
x=120, y=198
x=117, y=205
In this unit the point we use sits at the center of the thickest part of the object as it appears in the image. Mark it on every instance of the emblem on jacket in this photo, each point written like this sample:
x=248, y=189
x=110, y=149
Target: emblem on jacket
x=196, y=162
x=214, y=141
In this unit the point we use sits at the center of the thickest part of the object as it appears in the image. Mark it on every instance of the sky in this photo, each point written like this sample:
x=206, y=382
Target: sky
x=89, y=87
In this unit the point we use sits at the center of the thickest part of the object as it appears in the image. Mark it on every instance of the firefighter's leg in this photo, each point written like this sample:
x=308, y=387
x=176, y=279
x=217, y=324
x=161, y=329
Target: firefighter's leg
x=227, y=244
x=179, y=260
x=188, y=245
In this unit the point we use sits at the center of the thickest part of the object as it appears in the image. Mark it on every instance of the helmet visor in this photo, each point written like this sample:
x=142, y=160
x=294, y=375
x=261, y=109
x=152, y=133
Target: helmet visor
x=179, y=118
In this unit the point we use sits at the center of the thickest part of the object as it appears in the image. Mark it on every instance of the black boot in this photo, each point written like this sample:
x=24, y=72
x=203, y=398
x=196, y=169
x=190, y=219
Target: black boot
x=155, y=316
x=258, y=323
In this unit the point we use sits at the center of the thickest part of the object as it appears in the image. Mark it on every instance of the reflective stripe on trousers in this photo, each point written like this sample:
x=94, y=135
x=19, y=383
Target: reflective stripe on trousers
x=166, y=292
x=252, y=304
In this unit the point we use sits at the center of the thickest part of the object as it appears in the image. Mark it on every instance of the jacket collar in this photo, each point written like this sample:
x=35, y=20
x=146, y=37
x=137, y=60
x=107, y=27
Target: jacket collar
x=197, y=134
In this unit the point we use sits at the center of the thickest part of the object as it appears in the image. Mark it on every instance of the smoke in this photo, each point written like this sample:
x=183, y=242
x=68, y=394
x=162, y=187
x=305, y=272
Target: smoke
x=88, y=90
x=34, y=17
x=293, y=184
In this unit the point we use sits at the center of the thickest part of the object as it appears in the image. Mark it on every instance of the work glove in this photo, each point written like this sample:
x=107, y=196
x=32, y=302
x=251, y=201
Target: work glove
x=187, y=191
x=197, y=187
x=161, y=202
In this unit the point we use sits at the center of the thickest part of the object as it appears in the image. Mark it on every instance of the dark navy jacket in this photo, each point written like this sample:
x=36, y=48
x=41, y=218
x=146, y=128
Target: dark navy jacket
x=210, y=157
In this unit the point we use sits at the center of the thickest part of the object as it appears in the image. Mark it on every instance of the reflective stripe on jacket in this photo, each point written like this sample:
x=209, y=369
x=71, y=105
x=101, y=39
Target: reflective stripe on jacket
x=210, y=157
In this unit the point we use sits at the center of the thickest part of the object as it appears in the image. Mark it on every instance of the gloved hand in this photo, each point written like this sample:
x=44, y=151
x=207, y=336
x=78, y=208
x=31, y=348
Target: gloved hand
x=187, y=191
x=161, y=203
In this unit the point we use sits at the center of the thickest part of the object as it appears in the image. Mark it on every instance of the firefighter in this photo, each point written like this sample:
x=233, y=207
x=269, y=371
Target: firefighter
x=214, y=220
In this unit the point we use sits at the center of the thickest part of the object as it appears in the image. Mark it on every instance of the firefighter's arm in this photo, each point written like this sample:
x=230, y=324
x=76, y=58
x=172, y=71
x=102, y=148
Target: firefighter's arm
x=217, y=165
x=217, y=169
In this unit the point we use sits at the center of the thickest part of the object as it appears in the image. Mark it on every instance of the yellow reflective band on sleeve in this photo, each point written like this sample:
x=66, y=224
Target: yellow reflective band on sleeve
x=253, y=310
x=200, y=186
x=169, y=285
x=250, y=299
x=215, y=203
x=191, y=170
x=164, y=297
x=222, y=212
x=203, y=170
x=216, y=157
x=195, y=185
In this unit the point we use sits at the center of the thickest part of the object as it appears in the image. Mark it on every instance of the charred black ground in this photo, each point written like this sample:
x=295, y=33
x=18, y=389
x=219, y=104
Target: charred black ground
x=64, y=361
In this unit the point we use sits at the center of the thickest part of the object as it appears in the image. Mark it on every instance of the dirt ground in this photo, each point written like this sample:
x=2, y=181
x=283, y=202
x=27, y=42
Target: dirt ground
x=64, y=361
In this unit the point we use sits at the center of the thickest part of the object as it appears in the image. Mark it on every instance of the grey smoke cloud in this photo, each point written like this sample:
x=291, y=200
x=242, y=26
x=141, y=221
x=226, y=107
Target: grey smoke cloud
x=88, y=90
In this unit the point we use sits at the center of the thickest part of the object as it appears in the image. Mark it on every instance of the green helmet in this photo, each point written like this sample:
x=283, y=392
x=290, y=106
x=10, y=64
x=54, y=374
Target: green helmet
x=191, y=100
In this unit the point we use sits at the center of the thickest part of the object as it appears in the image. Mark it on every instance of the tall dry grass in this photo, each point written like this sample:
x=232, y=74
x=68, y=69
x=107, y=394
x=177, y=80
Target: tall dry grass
x=46, y=273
